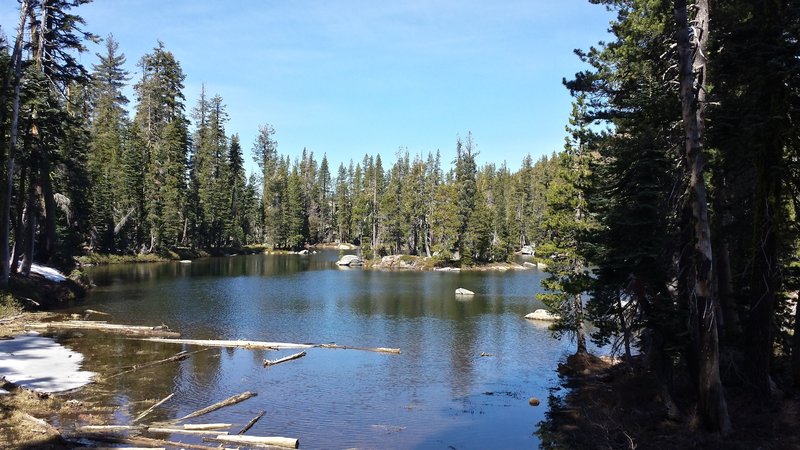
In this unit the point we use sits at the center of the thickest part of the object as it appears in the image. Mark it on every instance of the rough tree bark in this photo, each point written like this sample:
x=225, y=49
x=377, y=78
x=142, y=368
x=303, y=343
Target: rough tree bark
x=691, y=40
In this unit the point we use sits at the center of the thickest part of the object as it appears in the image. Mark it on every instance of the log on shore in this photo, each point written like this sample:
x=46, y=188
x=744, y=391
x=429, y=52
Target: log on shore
x=395, y=351
x=129, y=330
x=258, y=345
x=251, y=423
x=150, y=409
x=272, y=362
x=185, y=431
x=227, y=402
x=257, y=441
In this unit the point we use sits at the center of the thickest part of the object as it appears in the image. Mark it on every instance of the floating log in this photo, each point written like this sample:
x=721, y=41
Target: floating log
x=185, y=431
x=228, y=401
x=259, y=345
x=395, y=351
x=89, y=312
x=268, y=362
x=150, y=409
x=257, y=441
x=251, y=423
x=131, y=330
x=206, y=426
x=178, y=357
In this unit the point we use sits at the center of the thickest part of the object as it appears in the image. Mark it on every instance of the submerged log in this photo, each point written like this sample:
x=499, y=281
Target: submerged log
x=257, y=441
x=149, y=442
x=259, y=345
x=185, y=431
x=178, y=357
x=251, y=423
x=395, y=351
x=206, y=426
x=150, y=409
x=228, y=401
x=268, y=362
x=107, y=428
x=130, y=330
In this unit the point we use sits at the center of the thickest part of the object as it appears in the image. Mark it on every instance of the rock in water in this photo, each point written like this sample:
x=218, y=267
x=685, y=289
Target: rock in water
x=542, y=314
x=350, y=260
x=533, y=401
x=527, y=250
x=462, y=291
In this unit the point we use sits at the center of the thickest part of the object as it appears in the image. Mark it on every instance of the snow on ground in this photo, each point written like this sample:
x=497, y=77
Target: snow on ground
x=41, y=364
x=48, y=272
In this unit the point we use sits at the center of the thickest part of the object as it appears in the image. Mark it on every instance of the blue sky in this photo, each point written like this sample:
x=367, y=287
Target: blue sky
x=353, y=77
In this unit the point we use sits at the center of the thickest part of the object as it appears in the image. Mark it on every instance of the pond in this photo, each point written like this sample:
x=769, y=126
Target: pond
x=440, y=392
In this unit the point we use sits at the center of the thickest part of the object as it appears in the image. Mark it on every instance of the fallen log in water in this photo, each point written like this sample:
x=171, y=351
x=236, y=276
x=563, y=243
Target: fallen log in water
x=259, y=345
x=206, y=426
x=107, y=428
x=150, y=409
x=395, y=351
x=228, y=401
x=89, y=312
x=143, y=441
x=185, y=431
x=251, y=423
x=178, y=357
x=130, y=330
x=232, y=343
x=257, y=441
x=268, y=362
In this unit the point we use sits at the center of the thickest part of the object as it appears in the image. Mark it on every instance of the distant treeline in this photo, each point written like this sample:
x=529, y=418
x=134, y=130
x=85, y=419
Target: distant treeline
x=81, y=175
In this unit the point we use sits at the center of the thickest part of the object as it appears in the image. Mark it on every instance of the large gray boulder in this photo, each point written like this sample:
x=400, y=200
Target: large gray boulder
x=462, y=291
x=350, y=260
x=542, y=314
x=526, y=250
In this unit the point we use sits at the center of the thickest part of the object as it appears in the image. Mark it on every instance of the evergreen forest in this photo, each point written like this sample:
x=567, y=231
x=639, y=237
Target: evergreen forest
x=668, y=221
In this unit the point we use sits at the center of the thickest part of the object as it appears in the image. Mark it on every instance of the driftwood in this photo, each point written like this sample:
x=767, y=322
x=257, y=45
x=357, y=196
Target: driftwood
x=185, y=431
x=150, y=409
x=395, y=351
x=46, y=427
x=178, y=357
x=130, y=330
x=260, y=345
x=149, y=442
x=206, y=426
x=268, y=362
x=257, y=441
x=251, y=423
x=107, y=428
x=228, y=343
x=89, y=312
x=228, y=401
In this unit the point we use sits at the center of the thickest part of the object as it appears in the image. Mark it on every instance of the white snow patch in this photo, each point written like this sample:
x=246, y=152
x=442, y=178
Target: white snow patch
x=41, y=364
x=48, y=272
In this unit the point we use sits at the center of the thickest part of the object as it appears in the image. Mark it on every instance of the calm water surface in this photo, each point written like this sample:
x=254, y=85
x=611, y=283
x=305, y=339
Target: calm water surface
x=439, y=393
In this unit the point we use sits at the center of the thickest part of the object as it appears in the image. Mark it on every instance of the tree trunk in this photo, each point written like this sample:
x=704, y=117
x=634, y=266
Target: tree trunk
x=772, y=105
x=29, y=223
x=712, y=406
x=7, y=183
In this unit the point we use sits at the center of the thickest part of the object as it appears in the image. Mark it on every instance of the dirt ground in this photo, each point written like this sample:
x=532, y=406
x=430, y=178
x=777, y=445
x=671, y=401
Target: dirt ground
x=620, y=407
